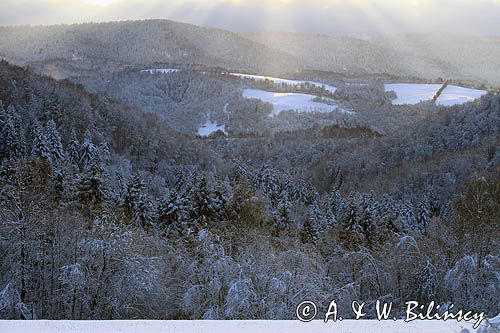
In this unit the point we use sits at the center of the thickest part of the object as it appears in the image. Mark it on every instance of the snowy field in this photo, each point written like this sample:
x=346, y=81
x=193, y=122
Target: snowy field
x=279, y=81
x=210, y=127
x=410, y=93
x=160, y=71
x=290, y=101
x=454, y=95
x=414, y=93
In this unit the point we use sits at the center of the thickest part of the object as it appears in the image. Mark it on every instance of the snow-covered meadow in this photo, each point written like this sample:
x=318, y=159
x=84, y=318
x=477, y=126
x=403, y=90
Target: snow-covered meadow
x=293, y=83
x=454, y=95
x=291, y=101
x=414, y=93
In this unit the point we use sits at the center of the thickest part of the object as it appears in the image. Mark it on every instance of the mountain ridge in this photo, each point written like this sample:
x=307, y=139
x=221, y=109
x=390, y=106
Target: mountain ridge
x=110, y=46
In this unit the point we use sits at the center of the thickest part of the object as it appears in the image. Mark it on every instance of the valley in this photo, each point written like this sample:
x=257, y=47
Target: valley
x=160, y=170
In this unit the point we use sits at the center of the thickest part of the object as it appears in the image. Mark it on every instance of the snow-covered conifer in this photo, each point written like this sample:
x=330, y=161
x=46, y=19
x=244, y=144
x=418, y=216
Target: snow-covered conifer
x=11, y=143
x=91, y=189
x=423, y=218
x=73, y=149
x=40, y=147
x=54, y=142
x=88, y=151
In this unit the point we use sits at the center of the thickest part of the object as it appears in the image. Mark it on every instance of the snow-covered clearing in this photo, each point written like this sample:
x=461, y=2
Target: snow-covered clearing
x=454, y=95
x=211, y=127
x=161, y=71
x=412, y=93
x=287, y=82
x=291, y=101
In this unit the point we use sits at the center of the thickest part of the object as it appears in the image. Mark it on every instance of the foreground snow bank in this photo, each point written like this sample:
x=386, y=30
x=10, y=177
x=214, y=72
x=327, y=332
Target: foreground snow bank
x=249, y=326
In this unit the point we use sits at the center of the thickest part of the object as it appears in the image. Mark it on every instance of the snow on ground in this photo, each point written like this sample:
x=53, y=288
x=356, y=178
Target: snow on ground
x=454, y=95
x=240, y=326
x=276, y=80
x=356, y=84
x=412, y=93
x=290, y=101
x=160, y=71
x=210, y=127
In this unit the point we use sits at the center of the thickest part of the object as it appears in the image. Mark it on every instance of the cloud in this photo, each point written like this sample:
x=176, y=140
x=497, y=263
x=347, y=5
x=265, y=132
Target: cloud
x=314, y=16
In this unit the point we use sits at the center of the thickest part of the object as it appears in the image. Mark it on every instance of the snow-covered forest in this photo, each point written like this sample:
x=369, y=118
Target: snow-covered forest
x=113, y=206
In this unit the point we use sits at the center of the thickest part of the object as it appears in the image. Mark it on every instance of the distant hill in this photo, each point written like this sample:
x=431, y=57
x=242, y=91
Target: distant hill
x=105, y=46
x=66, y=50
x=428, y=56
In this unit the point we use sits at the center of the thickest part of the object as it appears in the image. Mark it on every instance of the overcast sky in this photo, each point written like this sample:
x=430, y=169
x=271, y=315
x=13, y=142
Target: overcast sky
x=312, y=16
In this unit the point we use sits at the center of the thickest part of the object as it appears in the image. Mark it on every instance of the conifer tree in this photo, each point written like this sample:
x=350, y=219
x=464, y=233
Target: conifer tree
x=52, y=108
x=309, y=233
x=91, y=189
x=351, y=223
x=35, y=104
x=426, y=283
x=350, y=233
x=88, y=151
x=3, y=114
x=103, y=152
x=134, y=190
x=143, y=211
x=330, y=218
x=54, y=142
x=315, y=214
x=3, y=128
x=223, y=199
x=203, y=209
x=138, y=207
x=73, y=149
x=368, y=227
x=282, y=217
x=406, y=219
x=423, y=218
x=57, y=181
x=40, y=148
x=11, y=145
x=172, y=207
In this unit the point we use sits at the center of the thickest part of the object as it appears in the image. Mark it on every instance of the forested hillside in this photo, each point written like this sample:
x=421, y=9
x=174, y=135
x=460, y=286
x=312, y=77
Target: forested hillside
x=429, y=56
x=65, y=50
x=107, y=212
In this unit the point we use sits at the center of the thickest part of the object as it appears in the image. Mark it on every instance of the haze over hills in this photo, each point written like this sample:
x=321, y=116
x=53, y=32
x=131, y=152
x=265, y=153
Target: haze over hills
x=429, y=56
x=65, y=50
